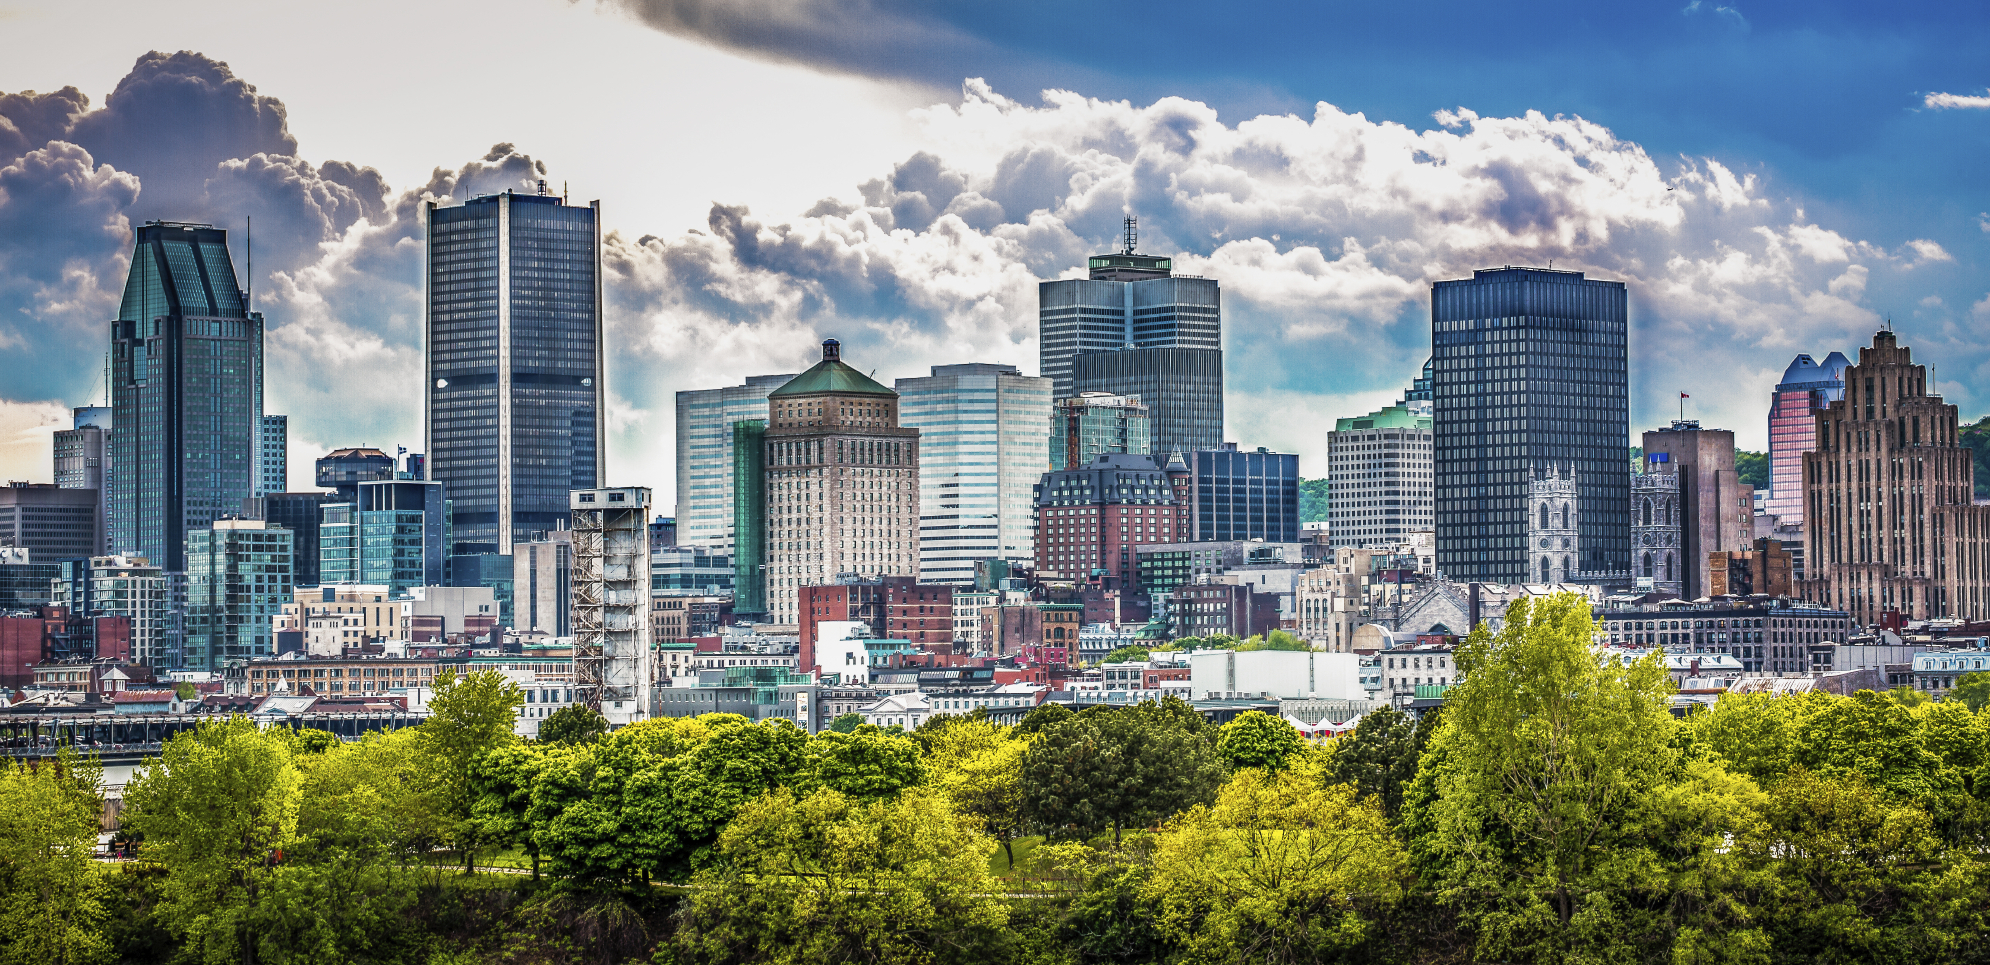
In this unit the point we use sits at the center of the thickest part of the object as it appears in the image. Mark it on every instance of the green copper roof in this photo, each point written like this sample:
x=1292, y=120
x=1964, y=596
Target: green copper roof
x=831, y=375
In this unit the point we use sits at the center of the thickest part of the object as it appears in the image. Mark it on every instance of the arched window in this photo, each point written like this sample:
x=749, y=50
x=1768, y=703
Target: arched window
x=1544, y=560
x=1544, y=515
x=1564, y=516
x=1668, y=566
x=1647, y=561
x=1568, y=572
x=1645, y=507
x=1665, y=513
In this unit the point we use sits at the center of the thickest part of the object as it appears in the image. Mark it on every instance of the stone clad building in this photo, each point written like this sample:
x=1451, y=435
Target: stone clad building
x=1889, y=520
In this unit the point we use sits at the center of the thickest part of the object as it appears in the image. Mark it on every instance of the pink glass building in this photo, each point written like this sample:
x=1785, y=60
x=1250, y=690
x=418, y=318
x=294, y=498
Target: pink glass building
x=1807, y=387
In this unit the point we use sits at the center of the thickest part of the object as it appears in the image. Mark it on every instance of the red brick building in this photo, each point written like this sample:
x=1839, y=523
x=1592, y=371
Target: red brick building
x=894, y=607
x=1089, y=519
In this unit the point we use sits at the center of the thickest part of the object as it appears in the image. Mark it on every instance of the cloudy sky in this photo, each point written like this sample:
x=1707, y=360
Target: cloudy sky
x=1768, y=179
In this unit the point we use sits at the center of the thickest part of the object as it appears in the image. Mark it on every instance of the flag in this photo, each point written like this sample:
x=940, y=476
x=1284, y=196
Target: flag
x=1684, y=395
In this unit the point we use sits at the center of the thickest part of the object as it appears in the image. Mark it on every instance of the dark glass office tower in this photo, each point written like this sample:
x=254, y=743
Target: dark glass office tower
x=1243, y=495
x=514, y=379
x=1528, y=373
x=186, y=393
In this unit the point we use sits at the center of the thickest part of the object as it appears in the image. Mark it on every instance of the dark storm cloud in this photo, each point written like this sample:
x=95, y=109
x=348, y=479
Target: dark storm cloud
x=875, y=38
x=29, y=120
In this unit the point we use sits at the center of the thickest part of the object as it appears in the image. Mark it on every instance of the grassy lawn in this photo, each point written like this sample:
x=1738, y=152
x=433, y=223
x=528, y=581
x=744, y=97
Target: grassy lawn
x=998, y=863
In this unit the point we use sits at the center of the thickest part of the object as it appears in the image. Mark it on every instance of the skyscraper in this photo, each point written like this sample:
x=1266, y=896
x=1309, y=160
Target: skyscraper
x=1716, y=512
x=80, y=453
x=1094, y=424
x=842, y=482
x=981, y=431
x=705, y=420
x=1806, y=389
x=186, y=392
x=1135, y=328
x=749, y=517
x=1235, y=495
x=273, y=475
x=1378, y=470
x=395, y=534
x=1529, y=372
x=52, y=523
x=1891, y=523
x=514, y=366
x=238, y=577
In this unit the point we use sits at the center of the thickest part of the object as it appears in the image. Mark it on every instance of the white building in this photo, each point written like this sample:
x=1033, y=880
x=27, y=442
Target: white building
x=457, y=607
x=1223, y=674
x=906, y=710
x=127, y=586
x=614, y=663
x=984, y=434
x=1407, y=668
x=1379, y=476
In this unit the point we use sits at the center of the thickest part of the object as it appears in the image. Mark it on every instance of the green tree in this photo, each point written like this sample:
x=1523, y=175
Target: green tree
x=1907, y=696
x=185, y=691
x=1976, y=438
x=218, y=810
x=986, y=785
x=1282, y=868
x=1752, y=469
x=52, y=892
x=1126, y=654
x=468, y=715
x=846, y=723
x=1117, y=769
x=1277, y=640
x=1314, y=497
x=1380, y=758
x=829, y=879
x=1041, y=717
x=868, y=765
x=573, y=724
x=1257, y=739
x=1972, y=690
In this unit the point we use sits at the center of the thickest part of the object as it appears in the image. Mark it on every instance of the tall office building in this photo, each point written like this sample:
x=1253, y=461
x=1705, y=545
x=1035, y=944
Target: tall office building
x=273, y=476
x=186, y=393
x=1135, y=328
x=749, y=518
x=80, y=453
x=238, y=577
x=395, y=534
x=130, y=587
x=301, y=514
x=1806, y=389
x=342, y=470
x=1891, y=524
x=1235, y=495
x=981, y=432
x=514, y=377
x=1091, y=519
x=1529, y=372
x=52, y=523
x=842, y=482
x=1378, y=470
x=1094, y=424
x=1716, y=512
x=705, y=420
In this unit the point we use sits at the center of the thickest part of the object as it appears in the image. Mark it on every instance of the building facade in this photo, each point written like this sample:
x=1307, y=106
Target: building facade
x=342, y=470
x=1094, y=424
x=1891, y=524
x=1771, y=636
x=1182, y=388
x=273, y=467
x=129, y=587
x=81, y=454
x=514, y=380
x=1766, y=569
x=1716, y=511
x=1091, y=519
x=842, y=482
x=301, y=514
x=1807, y=388
x=542, y=584
x=1237, y=495
x=1529, y=371
x=1378, y=470
x=52, y=523
x=1656, y=550
x=186, y=393
x=981, y=431
x=705, y=420
x=396, y=535
x=238, y=576
x=614, y=661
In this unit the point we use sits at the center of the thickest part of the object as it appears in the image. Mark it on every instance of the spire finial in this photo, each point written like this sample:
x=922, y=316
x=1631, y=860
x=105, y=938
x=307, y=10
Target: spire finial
x=1129, y=234
x=832, y=350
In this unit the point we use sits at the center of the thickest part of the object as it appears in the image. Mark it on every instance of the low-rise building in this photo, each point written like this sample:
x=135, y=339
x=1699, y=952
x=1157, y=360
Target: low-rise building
x=1255, y=674
x=1209, y=609
x=327, y=619
x=1937, y=671
x=331, y=675
x=1404, y=669
x=1767, y=635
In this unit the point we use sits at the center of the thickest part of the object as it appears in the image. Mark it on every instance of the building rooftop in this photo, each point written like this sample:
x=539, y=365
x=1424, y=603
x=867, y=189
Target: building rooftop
x=832, y=375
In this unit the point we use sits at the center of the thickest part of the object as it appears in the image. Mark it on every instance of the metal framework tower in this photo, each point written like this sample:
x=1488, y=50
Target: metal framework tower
x=614, y=665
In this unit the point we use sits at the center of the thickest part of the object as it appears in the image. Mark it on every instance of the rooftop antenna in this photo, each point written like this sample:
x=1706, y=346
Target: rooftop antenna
x=249, y=241
x=1130, y=233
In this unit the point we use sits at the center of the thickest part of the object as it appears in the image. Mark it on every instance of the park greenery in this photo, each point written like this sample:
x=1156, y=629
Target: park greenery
x=1554, y=810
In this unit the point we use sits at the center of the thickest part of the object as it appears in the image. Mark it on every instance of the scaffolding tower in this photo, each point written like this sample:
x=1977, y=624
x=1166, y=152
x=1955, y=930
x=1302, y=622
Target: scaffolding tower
x=614, y=664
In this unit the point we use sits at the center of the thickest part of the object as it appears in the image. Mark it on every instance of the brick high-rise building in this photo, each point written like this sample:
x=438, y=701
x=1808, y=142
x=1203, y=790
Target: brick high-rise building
x=1889, y=523
x=894, y=607
x=1716, y=512
x=842, y=483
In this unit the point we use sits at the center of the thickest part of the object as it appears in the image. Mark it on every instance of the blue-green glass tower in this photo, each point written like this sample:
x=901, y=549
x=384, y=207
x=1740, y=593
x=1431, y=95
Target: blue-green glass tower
x=186, y=393
x=395, y=534
x=238, y=577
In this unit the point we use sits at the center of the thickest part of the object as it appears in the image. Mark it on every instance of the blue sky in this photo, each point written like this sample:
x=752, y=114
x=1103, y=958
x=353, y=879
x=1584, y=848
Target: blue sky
x=1768, y=179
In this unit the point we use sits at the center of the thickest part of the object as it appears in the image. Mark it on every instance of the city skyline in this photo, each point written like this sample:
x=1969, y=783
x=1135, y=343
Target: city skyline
x=1733, y=248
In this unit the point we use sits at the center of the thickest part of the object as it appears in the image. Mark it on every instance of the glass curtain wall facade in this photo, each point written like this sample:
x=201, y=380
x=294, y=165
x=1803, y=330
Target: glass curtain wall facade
x=1529, y=372
x=705, y=421
x=515, y=372
x=274, y=468
x=186, y=393
x=1807, y=389
x=238, y=577
x=749, y=515
x=981, y=431
x=1096, y=424
x=1244, y=495
x=396, y=535
x=1181, y=387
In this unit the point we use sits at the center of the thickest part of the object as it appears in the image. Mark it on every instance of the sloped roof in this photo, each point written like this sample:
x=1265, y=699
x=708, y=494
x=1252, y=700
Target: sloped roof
x=832, y=375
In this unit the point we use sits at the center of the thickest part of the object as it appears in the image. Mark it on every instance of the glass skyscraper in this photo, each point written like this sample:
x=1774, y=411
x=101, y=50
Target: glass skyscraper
x=186, y=393
x=1529, y=372
x=238, y=577
x=1236, y=495
x=1806, y=389
x=705, y=421
x=981, y=452
x=515, y=371
x=272, y=475
x=395, y=535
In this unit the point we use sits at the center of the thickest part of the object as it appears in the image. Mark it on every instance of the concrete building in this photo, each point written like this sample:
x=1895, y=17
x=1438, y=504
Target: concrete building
x=1285, y=674
x=1378, y=470
x=981, y=431
x=51, y=523
x=494, y=572
x=1529, y=371
x=1206, y=609
x=129, y=587
x=614, y=663
x=325, y=620
x=842, y=483
x=1090, y=520
x=1767, y=570
x=186, y=393
x=273, y=469
x=705, y=419
x=238, y=574
x=1716, y=511
x=434, y=614
x=1332, y=601
x=1891, y=525
x=82, y=461
x=1656, y=548
x=515, y=375
x=1766, y=635
x=542, y=584
x=1094, y=424
x=1807, y=388
x=677, y=617
x=1405, y=668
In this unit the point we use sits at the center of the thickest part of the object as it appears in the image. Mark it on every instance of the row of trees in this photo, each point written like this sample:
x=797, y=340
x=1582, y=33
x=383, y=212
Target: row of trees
x=1555, y=811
